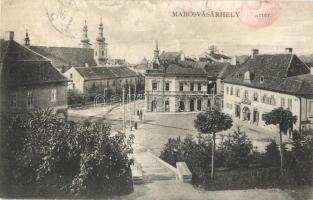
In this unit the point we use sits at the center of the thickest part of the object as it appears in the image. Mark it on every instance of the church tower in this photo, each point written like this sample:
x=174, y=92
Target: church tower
x=27, y=39
x=85, y=40
x=100, y=50
x=156, y=59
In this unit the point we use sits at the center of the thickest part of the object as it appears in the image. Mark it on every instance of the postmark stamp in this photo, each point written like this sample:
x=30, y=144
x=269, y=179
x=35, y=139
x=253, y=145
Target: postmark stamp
x=61, y=15
x=259, y=13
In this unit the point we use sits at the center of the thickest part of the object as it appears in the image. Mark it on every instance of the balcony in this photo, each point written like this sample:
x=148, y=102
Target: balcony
x=246, y=101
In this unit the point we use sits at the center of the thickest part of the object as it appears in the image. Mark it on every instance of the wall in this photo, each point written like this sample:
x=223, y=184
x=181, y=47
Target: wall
x=41, y=98
x=174, y=95
x=262, y=108
x=78, y=80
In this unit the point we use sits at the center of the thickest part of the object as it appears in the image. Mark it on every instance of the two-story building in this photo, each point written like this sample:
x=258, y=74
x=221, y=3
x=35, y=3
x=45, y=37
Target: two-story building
x=29, y=81
x=175, y=88
x=265, y=82
x=113, y=78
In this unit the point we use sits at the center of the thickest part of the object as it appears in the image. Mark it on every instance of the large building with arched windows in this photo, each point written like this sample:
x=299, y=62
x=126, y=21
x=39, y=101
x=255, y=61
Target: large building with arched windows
x=265, y=82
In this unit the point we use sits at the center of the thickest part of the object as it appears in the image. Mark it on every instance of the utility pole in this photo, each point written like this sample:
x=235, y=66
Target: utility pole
x=130, y=113
x=104, y=96
x=123, y=109
x=135, y=99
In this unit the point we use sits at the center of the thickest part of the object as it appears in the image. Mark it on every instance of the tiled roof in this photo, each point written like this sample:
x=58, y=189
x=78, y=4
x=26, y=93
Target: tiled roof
x=214, y=55
x=175, y=69
x=95, y=73
x=169, y=55
x=23, y=67
x=67, y=56
x=280, y=72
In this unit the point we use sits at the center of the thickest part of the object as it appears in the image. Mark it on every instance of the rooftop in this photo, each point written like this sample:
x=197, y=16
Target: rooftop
x=97, y=73
x=22, y=66
x=279, y=72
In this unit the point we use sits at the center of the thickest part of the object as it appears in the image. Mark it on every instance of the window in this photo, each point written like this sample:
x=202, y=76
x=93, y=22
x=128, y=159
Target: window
x=102, y=53
x=154, y=86
x=74, y=86
x=167, y=86
x=246, y=94
x=29, y=99
x=181, y=87
x=231, y=91
x=272, y=100
x=311, y=107
x=261, y=79
x=13, y=100
x=237, y=92
x=255, y=96
x=95, y=53
x=265, y=99
x=71, y=75
x=227, y=90
x=108, y=83
x=290, y=104
x=113, y=83
x=282, y=102
x=199, y=86
x=192, y=85
x=53, y=95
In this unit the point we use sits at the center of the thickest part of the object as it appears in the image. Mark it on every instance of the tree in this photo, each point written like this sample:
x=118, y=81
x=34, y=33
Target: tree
x=237, y=150
x=285, y=120
x=57, y=158
x=301, y=161
x=212, y=122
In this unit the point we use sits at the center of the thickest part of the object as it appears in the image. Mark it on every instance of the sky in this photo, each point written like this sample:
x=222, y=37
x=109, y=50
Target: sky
x=132, y=27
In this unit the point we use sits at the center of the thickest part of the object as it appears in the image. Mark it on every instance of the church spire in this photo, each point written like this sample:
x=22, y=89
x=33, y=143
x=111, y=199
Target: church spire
x=101, y=53
x=85, y=40
x=100, y=37
x=27, y=39
x=156, y=61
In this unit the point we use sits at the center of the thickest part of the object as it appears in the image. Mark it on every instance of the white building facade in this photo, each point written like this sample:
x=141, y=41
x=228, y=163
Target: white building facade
x=266, y=82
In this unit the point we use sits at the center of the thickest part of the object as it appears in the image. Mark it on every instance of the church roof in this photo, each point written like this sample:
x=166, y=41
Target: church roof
x=98, y=73
x=280, y=72
x=22, y=66
x=67, y=56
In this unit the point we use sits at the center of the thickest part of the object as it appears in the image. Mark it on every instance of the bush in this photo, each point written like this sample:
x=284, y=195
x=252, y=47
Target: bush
x=236, y=150
x=300, y=163
x=56, y=158
x=272, y=155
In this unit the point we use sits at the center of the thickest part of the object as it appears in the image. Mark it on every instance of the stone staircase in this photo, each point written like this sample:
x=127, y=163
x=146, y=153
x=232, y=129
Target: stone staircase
x=148, y=168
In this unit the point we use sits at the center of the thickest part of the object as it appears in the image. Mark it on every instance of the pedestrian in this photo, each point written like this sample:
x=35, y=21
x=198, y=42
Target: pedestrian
x=140, y=115
x=135, y=125
x=137, y=112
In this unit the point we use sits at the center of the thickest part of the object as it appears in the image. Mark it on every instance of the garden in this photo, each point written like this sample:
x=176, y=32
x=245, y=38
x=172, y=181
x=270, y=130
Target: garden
x=44, y=156
x=235, y=163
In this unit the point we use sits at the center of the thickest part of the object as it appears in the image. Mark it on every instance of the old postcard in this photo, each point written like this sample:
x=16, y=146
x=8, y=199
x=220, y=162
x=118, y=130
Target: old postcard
x=148, y=99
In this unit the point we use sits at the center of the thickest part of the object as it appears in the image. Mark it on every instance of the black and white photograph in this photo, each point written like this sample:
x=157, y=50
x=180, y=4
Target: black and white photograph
x=156, y=99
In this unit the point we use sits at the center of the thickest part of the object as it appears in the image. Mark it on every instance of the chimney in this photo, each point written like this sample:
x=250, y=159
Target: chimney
x=288, y=50
x=9, y=35
x=86, y=65
x=234, y=60
x=254, y=52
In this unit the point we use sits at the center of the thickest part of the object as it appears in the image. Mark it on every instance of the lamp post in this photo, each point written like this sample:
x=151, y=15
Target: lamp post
x=130, y=113
x=123, y=109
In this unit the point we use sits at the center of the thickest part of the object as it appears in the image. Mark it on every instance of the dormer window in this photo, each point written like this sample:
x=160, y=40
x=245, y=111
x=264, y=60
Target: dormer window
x=262, y=79
x=247, y=75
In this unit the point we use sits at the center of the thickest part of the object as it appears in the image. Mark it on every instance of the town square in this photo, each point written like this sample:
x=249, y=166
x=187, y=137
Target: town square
x=156, y=100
